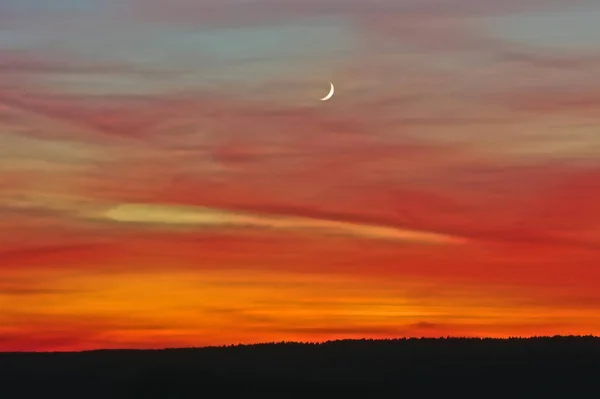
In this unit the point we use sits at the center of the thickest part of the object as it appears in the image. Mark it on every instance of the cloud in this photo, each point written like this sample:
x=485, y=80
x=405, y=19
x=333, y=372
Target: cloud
x=271, y=9
x=552, y=101
x=30, y=62
x=559, y=60
x=140, y=213
x=136, y=162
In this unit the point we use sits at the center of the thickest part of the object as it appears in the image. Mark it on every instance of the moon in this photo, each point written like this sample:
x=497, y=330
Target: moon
x=330, y=94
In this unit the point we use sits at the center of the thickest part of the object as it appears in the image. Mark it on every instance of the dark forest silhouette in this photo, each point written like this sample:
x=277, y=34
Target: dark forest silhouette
x=425, y=365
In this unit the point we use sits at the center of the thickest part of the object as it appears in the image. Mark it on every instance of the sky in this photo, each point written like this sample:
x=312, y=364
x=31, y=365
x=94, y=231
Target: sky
x=169, y=177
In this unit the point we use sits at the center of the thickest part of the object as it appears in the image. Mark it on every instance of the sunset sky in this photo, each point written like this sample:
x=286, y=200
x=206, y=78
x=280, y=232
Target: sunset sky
x=169, y=177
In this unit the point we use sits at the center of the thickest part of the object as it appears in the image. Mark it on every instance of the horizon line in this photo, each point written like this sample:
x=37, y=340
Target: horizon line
x=313, y=343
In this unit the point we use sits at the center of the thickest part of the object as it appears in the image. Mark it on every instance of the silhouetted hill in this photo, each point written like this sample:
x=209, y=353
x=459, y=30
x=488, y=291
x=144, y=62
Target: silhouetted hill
x=536, y=366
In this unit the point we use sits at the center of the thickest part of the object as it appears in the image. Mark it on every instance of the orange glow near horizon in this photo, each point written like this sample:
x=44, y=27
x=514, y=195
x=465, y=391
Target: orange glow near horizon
x=174, y=180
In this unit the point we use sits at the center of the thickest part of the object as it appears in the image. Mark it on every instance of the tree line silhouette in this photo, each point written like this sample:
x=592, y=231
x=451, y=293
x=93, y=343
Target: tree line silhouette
x=539, y=364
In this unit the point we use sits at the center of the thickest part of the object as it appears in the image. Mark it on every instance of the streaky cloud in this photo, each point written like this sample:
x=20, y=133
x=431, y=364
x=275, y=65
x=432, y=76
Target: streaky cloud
x=199, y=216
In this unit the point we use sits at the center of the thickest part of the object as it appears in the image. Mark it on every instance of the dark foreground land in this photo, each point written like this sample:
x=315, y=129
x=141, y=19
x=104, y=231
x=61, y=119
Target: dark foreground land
x=532, y=368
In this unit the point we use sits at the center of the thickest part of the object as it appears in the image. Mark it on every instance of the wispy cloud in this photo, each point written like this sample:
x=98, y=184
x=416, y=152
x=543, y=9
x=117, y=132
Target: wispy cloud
x=209, y=217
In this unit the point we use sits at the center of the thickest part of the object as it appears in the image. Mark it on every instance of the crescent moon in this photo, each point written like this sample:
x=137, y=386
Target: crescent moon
x=328, y=96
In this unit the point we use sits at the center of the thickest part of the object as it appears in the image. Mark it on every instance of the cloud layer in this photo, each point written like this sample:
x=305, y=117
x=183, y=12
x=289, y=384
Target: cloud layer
x=167, y=173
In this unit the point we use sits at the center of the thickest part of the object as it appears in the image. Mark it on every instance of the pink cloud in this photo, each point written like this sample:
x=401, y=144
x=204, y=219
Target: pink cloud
x=22, y=61
x=552, y=101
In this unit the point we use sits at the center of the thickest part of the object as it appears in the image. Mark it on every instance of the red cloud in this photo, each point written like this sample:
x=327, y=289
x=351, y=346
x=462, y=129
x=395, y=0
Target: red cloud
x=428, y=150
